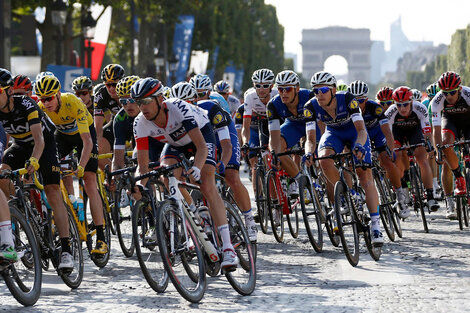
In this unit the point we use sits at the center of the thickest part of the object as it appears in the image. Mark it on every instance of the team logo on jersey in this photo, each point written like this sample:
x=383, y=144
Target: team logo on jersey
x=217, y=118
x=379, y=110
x=269, y=113
x=80, y=111
x=238, y=115
x=307, y=113
x=354, y=104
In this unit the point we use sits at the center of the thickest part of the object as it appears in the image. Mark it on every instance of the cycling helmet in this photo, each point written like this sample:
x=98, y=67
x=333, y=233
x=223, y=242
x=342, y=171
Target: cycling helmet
x=112, y=73
x=184, y=91
x=323, y=78
x=166, y=92
x=433, y=89
x=385, y=94
x=222, y=87
x=263, y=75
x=402, y=94
x=449, y=81
x=22, y=82
x=201, y=81
x=123, y=87
x=47, y=86
x=5, y=77
x=146, y=87
x=38, y=76
x=417, y=95
x=342, y=87
x=82, y=82
x=358, y=88
x=287, y=78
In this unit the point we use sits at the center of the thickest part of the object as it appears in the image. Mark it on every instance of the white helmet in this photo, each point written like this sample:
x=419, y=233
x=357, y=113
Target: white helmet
x=323, y=78
x=358, y=88
x=184, y=91
x=263, y=75
x=201, y=81
x=417, y=95
x=287, y=78
x=222, y=87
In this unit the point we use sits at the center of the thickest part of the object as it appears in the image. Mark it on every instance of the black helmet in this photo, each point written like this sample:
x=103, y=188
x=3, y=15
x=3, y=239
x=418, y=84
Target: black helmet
x=5, y=78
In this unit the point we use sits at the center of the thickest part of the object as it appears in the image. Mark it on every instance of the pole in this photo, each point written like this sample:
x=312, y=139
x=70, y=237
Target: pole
x=132, y=37
x=5, y=26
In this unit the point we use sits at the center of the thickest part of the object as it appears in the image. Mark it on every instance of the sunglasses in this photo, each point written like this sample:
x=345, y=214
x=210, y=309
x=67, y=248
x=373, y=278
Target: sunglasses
x=202, y=94
x=322, y=90
x=143, y=101
x=388, y=102
x=285, y=89
x=125, y=101
x=361, y=100
x=111, y=85
x=450, y=92
x=402, y=104
x=48, y=99
x=264, y=86
x=82, y=93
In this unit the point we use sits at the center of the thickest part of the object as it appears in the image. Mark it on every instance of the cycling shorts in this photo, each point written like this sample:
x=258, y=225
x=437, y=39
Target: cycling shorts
x=337, y=140
x=412, y=136
x=377, y=139
x=292, y=132
x=459, y=128
x=108, y=133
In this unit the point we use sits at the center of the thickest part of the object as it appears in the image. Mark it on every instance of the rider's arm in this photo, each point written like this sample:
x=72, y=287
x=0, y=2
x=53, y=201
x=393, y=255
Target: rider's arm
x=437, y=104
x=224, y=138
x=248, y=111
x=201, y=147
x=274, y=125
x=36, y=132
x=99, y=120
x=310, y=128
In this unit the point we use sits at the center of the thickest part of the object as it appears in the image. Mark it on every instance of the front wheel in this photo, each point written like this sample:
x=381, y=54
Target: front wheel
x=385, y=206
x=274, y=200
x=375, y=251
x=122, y=216
x=102, y=260
x=418, y=195
x=23, y=277
x=311, y=207
x=261, y=200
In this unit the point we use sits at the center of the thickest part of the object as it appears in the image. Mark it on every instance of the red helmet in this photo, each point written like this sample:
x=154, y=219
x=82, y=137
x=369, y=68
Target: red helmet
x=449, y=81
x=402, y=94
x=385, y=94
x=22, y=82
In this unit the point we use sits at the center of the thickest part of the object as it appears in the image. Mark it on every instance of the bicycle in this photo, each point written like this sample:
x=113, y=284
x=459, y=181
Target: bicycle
x=351, y=211
x=463, y=210
x=31, y=201
x=417, y=188
x=23, y=277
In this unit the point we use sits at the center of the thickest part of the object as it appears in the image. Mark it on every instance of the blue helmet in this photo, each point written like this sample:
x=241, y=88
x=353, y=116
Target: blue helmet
x=222, y=87
x=146, y=87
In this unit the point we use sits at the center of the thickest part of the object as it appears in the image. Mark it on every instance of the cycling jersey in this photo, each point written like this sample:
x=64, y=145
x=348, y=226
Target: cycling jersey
x=407, y=128
x=374, y=117
x=122, y=129
x=233, y=104
x=181, y=118
x=220, y=100
x=3, y=141
x=253, y=103
x=72, y=116
x=24, y=114
x=104, y=103
x=238, y=119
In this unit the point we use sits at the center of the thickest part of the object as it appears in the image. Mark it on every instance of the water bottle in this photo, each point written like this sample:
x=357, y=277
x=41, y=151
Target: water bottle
x=203, y=212
x=73, y=200
x=81, y=210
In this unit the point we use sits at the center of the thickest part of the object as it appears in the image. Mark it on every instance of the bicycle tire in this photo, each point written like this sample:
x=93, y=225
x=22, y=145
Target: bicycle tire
x=191, y=290
x=103, y=259
x=122, y=216
x=385, y=208
x=375, y=251
x=17, y=274
x=293, y=218
x=146, y=250
x=345, y=217
x=243, y=278
x=396, y=220
x=74, y=278
x=275, y=210
x=261, y=201
x=460, y=211
x=466, y=215
x=418, y=193
x=310, y=212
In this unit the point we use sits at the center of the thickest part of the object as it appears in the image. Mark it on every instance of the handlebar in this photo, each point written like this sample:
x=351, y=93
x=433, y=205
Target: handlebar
x=8, y=174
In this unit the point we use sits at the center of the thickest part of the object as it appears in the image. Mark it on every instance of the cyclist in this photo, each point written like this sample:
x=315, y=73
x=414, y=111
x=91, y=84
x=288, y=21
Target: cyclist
x=106, y=101
x=344, y=127
x=410, y=123
x=417, y=95
x=203, y=85
x=227, y=143
x=33, y=141
x=342, y=87
x=75, y=130
x=22, y=85
x=384, y=97
x=287, y=122
x=83, y=88
x=184, y=129
x=381, y=138
x=223, y=89
x=450, y=116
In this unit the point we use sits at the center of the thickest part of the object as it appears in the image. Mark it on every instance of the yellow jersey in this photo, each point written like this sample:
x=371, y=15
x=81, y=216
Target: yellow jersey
x=73, y=117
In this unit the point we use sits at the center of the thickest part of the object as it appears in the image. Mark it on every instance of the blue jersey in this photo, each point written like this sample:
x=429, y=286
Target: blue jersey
x=220, y=100
x=373, y=115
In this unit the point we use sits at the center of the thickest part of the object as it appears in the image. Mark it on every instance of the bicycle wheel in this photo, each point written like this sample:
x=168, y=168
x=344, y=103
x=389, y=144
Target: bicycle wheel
x=346, y=224
x=146, y=247
x=274, y=205
x=390, y=194
x=260, y=198
x=418, y=195
x=460, y=210
x=24, y=277
x=178, y=254
x=74, y=278
x=375, y=251
x=102, y=260
x=466, y=216
x=243, y=279
x=311, y=207
x=293, y=218
x=122, y=212
x=385, y=206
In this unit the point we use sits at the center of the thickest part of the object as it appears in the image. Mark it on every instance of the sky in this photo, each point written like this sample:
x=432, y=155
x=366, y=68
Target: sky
x=429, y=20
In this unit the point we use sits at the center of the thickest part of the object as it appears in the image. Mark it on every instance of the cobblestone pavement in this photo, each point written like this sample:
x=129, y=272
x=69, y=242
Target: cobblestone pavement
x=420, y=272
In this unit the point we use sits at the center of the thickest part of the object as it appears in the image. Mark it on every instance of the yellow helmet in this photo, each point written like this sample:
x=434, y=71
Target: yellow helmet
x=112, y=73
x=123, y=88
x=47, y=86
x=82, y=82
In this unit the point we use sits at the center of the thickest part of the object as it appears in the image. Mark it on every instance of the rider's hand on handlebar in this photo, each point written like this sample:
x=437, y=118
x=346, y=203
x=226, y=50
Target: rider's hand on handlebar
x=307, y=159
x=359, y=151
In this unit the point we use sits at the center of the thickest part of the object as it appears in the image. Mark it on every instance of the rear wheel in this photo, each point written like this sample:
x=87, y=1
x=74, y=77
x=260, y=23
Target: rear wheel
x=417, y=191
x=122, y=216
x=375, y=251
x=274, y=205
x=311, y=207
x=293, y=218
x=23, y=277
x=385, y=206
x=460, y=210
x=74, y=278
x=261, y=200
